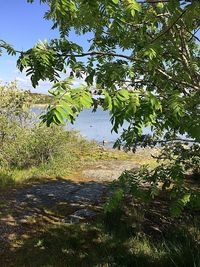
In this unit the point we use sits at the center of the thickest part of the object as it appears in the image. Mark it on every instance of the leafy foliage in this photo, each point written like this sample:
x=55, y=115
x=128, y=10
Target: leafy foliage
x=115, y=201
x=14, y=110
x=176, y=177
x=143, y=65
x=68, y=103
x=136, y=55
x=9, y=49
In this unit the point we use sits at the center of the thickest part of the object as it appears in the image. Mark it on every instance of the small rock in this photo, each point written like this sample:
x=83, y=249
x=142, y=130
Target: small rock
x=29, y=195
x=80, y=215
x=85, y=213
x=74, y=219
x=51, y=195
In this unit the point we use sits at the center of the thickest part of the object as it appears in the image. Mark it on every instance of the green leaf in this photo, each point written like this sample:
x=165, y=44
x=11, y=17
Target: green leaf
x=58, y=118
x=136, y=6
x=133, y=12
x=115, y=1
x=133, y=6
x=154, y=102
x=67, y=107
x=134, y=102
x=107, y=101
x=123, y=94
x=179, y=204
x=63, y=113
x=86, y=101
x=151, y=53
x=115, y=201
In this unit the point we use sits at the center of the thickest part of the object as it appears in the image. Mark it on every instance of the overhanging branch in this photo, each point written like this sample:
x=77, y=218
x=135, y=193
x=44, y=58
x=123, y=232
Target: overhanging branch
x=100, y=53
x=170, y=26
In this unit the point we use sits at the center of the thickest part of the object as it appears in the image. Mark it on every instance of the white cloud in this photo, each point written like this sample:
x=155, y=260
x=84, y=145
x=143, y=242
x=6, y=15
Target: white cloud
x=19, y=79
x=24, y=82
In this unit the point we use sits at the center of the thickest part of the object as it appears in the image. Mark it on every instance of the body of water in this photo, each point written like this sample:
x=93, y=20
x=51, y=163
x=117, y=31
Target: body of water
x=93, y=125
x=96, y=126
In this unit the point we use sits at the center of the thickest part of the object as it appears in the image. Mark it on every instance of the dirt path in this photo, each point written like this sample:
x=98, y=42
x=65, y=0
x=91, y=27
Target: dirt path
x=24, y=211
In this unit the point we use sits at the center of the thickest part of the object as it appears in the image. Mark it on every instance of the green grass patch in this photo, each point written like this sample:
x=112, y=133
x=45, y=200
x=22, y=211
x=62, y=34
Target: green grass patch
x=91, y=244
x=141, y=156
x=64, y=154
x=55, y=153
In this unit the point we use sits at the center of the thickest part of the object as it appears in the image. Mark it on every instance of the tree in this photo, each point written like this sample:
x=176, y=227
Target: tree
x=143, y=63
x=143, y=57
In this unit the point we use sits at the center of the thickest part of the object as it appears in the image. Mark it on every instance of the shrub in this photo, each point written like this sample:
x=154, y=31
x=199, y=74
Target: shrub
x=25, y=143
x=177, y=176
x=34, y=146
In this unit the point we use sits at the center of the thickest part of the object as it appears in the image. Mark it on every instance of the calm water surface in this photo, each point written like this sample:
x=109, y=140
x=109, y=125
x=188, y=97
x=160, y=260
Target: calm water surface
x=93, y=125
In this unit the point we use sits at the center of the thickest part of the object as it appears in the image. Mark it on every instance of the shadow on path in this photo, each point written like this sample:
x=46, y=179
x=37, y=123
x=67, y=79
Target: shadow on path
x=26, y=211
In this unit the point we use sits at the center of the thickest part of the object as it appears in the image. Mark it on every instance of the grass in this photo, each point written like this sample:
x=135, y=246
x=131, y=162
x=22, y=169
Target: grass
x=141, y=156
x=99, y=244
x=6, y=179
x=135, y=236
x=76, y=151
x=78, y=155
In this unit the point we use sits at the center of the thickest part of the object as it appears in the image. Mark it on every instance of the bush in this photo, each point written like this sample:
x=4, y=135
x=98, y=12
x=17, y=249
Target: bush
x=177, y=176
x=24, y=143
x=35, y=146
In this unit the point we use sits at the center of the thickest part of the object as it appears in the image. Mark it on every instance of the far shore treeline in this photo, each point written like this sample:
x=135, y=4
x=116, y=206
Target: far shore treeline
x=41, y=99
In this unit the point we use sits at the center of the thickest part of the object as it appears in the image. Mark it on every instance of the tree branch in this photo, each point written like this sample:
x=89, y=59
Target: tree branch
x=193, y=35
x=170, y=26
x=169, y=77
x=100, y=53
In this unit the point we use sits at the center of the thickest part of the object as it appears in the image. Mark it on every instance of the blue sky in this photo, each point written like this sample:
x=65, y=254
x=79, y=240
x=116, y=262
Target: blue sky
x=22, y=25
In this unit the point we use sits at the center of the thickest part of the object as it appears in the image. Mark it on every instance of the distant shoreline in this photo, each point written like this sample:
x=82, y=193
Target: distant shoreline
x=42, y=105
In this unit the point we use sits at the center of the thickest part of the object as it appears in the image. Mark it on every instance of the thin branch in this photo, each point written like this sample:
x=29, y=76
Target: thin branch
x=134, y=82
x=131, y=58
x=177, y=81
x=99, y=53
x=193, y=35
x=170, y=26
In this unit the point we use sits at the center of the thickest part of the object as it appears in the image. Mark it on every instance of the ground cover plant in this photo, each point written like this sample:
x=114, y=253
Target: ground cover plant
x=137, y=236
